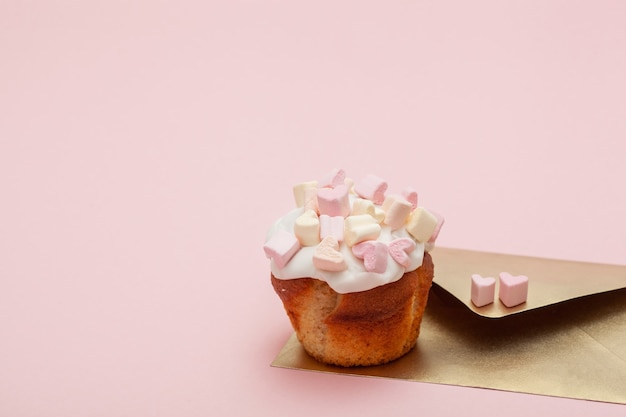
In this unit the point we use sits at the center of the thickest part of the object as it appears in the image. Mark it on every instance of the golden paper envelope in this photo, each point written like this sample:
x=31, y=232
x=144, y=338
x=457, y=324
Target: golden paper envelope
x=551, y=281
x=567, y=340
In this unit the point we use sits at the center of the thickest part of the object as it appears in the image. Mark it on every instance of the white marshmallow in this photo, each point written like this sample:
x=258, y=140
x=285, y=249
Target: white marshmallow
x=363, y=206
x=307, y=228
x=397, y=210
x=299, y=192
x=421, y=224
x=360, y=228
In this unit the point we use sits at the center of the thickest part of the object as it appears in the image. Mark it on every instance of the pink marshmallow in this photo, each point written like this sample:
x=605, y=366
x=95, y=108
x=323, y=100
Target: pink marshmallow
x=334, y=178
x=331, y=226
x=371, y=187
x=411, y=196
x=399, y=249
x=327, y=256
x=281, y=247
x=483, y=290
x=334, y=201
x=373, y=253
x=513, y=289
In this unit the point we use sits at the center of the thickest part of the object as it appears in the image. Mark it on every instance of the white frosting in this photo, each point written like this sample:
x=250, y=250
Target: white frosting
x=353, y=279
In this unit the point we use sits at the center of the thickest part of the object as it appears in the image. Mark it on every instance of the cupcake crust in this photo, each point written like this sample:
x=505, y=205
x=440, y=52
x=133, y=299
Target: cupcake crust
x=361, y=328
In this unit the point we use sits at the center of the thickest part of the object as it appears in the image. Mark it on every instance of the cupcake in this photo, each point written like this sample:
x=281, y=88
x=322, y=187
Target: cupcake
x=352, y=267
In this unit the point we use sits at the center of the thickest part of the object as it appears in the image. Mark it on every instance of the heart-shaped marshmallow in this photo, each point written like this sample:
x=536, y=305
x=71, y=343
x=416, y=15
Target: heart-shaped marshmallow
x=372, y=188
x=373, y=253
x=483, y=290
x=327, y=256
x=334, y=201
x=513, y=289
x=399, y=250
x=334, y=178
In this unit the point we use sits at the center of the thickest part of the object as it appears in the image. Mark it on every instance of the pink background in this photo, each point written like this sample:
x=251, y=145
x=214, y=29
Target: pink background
x=145, y=148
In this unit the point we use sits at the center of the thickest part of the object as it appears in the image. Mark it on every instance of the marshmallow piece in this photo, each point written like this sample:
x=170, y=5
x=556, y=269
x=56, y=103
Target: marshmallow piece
x=363, y=206
x=379, y=214
x=350, y=184
x=299, y=191
x=307, y=228
x=440, y=221
x=483, y=290
x=513, y=289
x=331, y=226
x=281, y=247
x=399, y=250
x=371, y=187
x=397, y=210
x=310, y=200
x=334, y=201
x=359, y=228
x=373, y=253
x=327, y=256
x=334, y=178
x=421, y=224
x=411, y=196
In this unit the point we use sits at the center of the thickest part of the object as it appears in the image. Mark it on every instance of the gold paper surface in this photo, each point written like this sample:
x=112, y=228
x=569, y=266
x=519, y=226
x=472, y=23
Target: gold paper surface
x=572, y=348
x=550, y=281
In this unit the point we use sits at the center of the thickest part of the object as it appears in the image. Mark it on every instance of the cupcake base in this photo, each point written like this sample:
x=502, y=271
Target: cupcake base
x=357, y=329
